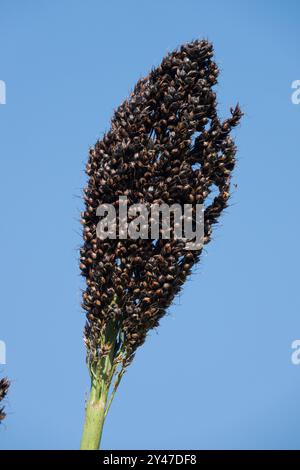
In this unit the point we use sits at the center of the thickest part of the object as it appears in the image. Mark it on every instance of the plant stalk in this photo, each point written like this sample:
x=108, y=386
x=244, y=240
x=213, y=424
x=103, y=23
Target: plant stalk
x=96, y=407
x=94, y=419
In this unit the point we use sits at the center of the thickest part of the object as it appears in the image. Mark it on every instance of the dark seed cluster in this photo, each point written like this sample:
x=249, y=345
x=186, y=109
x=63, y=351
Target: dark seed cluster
x=4, y=385
x=166, y=145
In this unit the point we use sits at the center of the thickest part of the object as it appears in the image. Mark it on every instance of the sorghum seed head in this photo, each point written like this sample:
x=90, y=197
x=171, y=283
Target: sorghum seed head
x=4, y=385
x=166, y=145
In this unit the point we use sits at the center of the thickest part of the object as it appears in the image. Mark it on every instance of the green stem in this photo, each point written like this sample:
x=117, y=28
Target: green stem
x=96, y=408
x=115, y=387
x=94, y=418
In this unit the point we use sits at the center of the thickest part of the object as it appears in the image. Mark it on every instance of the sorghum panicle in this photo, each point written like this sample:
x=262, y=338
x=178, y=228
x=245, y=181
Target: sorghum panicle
x=166, y=145
x=4, y=385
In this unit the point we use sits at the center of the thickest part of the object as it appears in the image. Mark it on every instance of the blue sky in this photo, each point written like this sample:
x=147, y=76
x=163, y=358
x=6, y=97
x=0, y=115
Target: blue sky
x=217, y=374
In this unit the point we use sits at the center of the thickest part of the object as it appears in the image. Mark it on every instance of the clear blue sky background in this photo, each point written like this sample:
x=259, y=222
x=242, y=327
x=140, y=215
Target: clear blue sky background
x=218, y=372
